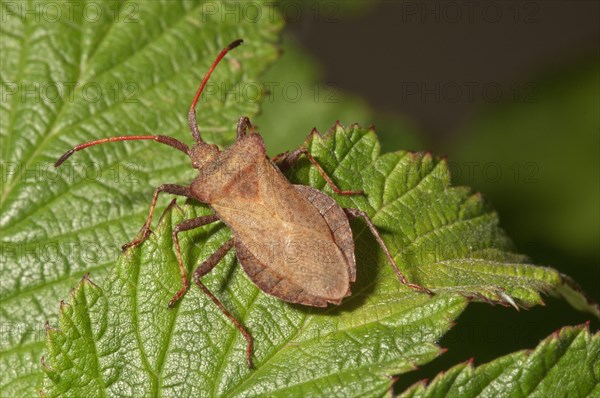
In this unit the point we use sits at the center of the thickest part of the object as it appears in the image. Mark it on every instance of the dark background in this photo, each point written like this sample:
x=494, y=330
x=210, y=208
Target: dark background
x=371, y=50
x=533, y=70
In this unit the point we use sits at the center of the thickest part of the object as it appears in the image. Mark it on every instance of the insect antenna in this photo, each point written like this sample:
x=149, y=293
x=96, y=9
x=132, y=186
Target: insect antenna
x=163, y=139
x=172, y=142
x=192, y=113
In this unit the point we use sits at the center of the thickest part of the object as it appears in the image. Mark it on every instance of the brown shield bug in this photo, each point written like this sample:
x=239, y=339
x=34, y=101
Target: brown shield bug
x=294, y=242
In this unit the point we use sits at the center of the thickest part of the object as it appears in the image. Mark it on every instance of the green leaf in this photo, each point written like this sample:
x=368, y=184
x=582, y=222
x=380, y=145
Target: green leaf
x=446, y=238
x=75, y=71
x=120, y=339
x=567, y=362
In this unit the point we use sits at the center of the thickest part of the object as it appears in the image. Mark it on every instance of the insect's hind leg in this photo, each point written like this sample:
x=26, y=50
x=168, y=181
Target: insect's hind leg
x=204, y=269
x=145, y=231
x=359, y=213
x=186, y=225
x=287, y=159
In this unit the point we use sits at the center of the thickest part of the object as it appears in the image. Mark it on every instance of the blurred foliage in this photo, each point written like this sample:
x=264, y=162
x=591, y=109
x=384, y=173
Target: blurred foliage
x=298, y=101
x=537, y=159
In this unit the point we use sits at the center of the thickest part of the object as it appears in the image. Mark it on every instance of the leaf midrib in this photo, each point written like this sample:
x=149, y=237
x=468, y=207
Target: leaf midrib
x=14, y=103
x=92, y=342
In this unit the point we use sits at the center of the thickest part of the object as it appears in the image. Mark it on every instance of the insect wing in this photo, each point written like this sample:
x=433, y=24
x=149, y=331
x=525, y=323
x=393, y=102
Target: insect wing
x=284, y=233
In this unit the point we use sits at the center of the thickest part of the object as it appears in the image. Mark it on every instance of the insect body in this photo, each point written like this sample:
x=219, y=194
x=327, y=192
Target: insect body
x=283, y=241
x=293, y=241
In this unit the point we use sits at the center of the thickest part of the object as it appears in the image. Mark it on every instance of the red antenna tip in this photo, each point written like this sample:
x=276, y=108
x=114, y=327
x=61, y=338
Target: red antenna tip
x=234, y=44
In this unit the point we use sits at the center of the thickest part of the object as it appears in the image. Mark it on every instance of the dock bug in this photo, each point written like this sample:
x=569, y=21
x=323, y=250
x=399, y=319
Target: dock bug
x=293, y=241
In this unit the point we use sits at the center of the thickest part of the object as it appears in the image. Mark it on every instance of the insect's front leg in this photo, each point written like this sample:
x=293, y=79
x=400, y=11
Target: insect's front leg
x=186, y=226
x=287, y=159
x=145, y=231
x=359, y=213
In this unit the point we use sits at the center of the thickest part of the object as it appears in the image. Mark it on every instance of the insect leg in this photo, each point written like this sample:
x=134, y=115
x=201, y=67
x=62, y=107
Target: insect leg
x=186, y=226
x=204, y=269
x=285, y=160
x=359, y=213
x=145, y=231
